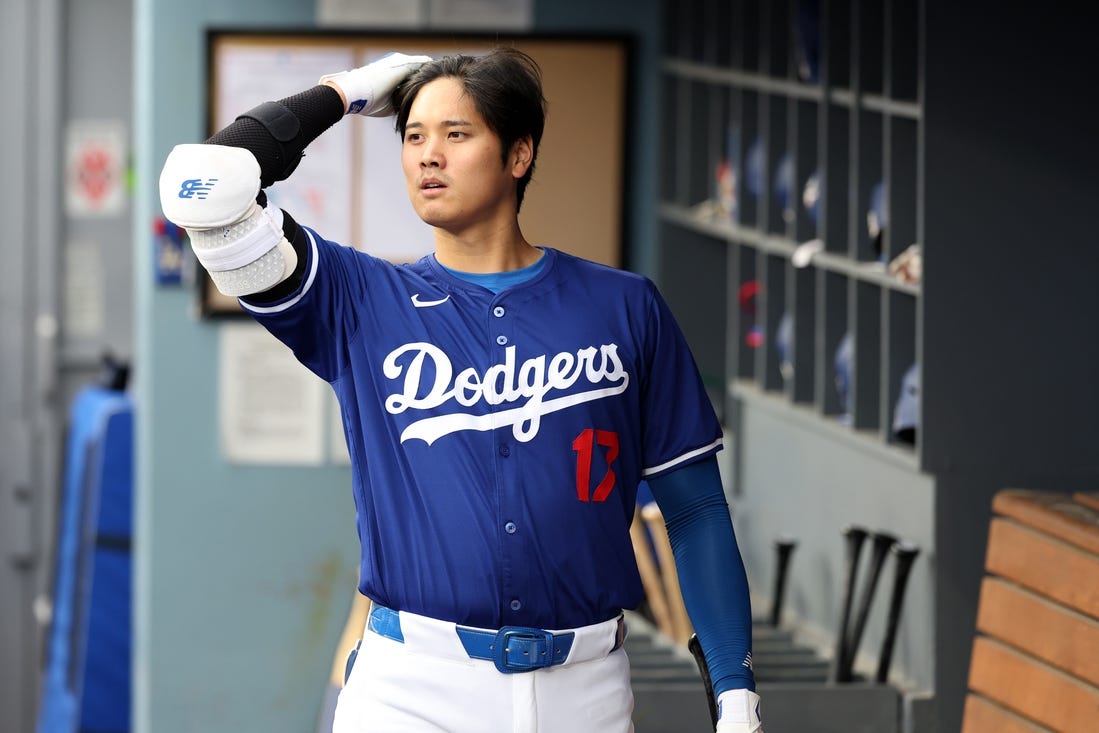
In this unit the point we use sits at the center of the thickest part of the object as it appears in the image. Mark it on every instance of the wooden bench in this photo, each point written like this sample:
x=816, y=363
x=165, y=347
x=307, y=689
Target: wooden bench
x=1035, y=663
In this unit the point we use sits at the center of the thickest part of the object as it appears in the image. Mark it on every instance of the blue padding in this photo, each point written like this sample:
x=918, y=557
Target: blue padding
x=117, y=471
x=86, y=682
x=106, y=699
x=105, y=704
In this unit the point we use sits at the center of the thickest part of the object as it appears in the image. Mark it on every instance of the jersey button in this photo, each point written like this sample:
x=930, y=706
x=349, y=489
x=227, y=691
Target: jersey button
x=516, y=604
x=505, y=451
x=501, y=339
x=510, y=528
x=498, y=311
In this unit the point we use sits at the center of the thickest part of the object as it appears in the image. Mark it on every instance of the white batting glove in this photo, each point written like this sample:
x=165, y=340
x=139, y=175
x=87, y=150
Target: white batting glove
x=738, y=712
x=367, y=89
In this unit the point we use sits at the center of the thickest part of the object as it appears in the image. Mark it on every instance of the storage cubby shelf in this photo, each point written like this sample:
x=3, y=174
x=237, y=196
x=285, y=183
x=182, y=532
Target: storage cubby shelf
x=700, y=218
x=746, y=80
x=866, y=440
x=892, y=107
x=755, y=82
x=794, y=137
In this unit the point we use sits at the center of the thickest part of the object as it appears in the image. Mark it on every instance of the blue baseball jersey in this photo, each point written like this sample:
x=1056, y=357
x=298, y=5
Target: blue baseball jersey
x=497, y=440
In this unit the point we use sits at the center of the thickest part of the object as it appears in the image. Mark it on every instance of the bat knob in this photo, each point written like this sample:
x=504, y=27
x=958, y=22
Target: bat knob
x=906, y=549
x=884, y=538
x=785, y=544
x=856, y=532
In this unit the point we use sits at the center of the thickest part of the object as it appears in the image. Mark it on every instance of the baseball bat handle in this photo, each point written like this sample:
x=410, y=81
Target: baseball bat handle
x=784, y=548
x=906, y=554
x=882, y=542
x=854, y=536
x=695, y=647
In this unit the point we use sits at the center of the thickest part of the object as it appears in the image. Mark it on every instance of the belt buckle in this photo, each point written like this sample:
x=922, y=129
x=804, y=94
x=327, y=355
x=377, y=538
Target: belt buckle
x=529, y=648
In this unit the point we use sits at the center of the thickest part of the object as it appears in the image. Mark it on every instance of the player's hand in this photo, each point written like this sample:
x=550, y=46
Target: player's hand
x=367, y=89
x=738, y=712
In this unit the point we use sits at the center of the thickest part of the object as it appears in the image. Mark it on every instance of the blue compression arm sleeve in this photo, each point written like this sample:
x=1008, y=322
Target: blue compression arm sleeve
x=711, y=571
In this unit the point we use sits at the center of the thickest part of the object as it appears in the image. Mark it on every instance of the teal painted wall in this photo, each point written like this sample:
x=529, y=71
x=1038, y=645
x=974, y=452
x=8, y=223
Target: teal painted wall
x=244, y=575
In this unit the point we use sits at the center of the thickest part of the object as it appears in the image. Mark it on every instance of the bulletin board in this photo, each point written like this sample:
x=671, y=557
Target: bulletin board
x=349, y=187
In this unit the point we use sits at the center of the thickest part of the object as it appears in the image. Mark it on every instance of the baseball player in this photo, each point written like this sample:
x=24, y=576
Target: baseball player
x=501, y=402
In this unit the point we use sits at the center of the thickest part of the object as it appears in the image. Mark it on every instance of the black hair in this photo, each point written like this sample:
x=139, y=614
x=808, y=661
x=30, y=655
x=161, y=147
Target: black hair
x=506, y=88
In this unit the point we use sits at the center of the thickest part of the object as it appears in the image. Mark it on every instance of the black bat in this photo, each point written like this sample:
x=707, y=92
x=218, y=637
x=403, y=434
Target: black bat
x=854, y=537
x=784, y=547
x=882, y=541
x=704, y=669
x=905, y=553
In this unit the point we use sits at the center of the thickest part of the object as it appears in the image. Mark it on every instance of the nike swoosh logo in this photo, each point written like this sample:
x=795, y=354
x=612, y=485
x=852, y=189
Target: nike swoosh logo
x=427, y=303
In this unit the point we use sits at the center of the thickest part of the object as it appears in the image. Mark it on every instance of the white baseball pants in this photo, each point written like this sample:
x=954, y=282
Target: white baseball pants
x=429, y=683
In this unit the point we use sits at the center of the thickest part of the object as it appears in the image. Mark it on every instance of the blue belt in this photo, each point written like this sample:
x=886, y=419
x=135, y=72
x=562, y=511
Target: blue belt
x=511, y=649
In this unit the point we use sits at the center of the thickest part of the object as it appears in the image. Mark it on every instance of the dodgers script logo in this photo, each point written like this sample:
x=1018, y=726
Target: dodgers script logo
x=530, y=386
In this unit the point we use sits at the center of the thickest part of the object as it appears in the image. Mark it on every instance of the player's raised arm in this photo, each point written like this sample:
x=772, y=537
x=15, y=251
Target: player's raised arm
x=213, y=189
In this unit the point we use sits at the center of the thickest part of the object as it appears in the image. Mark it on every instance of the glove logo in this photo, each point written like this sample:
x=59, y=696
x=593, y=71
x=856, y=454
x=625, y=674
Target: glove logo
x=355, y=107
x=196, y=188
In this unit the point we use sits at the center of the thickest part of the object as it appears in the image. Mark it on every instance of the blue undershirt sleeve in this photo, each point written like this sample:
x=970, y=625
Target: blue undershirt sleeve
x=711, y=571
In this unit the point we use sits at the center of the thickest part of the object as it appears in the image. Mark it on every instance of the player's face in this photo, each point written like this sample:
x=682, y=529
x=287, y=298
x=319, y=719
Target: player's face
x=456, y=177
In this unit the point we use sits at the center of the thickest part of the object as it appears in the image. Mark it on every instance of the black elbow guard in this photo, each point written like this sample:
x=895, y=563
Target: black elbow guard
x=285, y=129
x=278, y=133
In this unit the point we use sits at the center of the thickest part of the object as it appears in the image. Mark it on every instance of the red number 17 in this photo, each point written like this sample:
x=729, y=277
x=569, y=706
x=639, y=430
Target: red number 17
x=584, y=445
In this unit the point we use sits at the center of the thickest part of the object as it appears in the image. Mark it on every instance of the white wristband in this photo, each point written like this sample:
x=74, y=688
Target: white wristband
x=738, y=712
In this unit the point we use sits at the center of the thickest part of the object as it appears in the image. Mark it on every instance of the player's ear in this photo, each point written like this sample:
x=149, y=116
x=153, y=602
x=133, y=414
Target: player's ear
x=521, y=156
